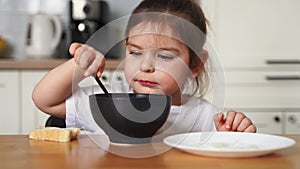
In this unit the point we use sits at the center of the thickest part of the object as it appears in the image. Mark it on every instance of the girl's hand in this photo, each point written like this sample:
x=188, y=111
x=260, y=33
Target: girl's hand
x=87, y=58
x=235, y=121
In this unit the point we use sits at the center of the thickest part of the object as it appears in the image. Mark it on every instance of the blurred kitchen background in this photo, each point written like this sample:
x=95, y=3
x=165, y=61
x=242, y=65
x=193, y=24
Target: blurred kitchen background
x=257, y=43
x=78, y=20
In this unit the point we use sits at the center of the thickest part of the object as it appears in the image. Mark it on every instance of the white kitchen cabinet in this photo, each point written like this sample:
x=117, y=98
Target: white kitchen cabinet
x=276, y=122
x=32, y=117
x=268, y=100
x=18, y=113
x=9, y=102
x=257, y=43
x=254, y=89
x=106, y=76
x=252, y=33
x=267, y=122
x=292, y=123
x=118, y=76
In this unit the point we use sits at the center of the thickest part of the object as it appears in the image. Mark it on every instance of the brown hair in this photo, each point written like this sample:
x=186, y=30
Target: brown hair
x=188, y=10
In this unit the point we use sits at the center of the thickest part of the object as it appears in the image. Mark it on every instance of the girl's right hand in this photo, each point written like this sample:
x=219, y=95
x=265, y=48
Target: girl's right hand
x=88, y=59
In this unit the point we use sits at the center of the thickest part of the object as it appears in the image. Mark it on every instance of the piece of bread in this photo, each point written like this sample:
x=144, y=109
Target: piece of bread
x=55, y=134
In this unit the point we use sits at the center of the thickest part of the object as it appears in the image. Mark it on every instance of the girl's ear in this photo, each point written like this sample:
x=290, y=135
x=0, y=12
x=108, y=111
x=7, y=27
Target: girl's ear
x=201, y=60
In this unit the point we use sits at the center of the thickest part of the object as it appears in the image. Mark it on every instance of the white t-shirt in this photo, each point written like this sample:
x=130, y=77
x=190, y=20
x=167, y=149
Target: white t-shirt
x=194, y=116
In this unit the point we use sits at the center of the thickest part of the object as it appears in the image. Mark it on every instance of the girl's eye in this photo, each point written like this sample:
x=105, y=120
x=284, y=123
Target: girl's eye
x=135, y=53
x=165, y=57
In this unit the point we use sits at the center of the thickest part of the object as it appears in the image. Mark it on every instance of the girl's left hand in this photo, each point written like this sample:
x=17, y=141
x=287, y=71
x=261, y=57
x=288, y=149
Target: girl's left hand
x=234, y=121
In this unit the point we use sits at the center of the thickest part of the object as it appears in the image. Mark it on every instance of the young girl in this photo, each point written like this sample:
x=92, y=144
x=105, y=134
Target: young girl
x=159, y=59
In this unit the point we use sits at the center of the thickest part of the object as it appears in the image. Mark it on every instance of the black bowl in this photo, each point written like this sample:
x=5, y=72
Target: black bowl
x=130, y=118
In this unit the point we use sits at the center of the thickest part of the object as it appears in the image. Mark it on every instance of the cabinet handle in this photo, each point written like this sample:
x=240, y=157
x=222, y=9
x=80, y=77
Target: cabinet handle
x=277, y=119
x=283, y=61
x=283, y=77
x=292, y=119
x=104, y=78
x=119, y=78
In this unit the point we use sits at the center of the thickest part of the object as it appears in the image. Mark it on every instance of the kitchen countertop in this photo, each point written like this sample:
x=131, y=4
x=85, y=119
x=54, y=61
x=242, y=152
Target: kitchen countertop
x=18, y=151
x=44, y=64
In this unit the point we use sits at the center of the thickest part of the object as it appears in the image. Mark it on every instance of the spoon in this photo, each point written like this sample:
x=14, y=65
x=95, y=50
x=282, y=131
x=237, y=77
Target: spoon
x=101, y=85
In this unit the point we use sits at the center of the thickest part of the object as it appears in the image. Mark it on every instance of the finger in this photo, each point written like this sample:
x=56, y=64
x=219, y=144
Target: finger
x=77, y=53
x=218, y=118
x=87, y=57
x=90, y=56
x=237, y=120
x=101, y=67
x=251, y=129
x=73, y=48
x=96, y=66
x=84, y=56
x=245, y=123
x=229, y=119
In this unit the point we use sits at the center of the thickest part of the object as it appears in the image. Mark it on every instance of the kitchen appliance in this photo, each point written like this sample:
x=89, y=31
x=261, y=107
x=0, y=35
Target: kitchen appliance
x=86, y=17
x=44, y=35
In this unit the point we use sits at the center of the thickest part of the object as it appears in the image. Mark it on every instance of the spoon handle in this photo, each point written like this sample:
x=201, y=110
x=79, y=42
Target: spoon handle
x=101, y=85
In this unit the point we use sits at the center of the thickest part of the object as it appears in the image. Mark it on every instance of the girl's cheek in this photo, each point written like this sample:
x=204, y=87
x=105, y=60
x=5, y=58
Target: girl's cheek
x=128, y=75
x=177, y=72
x=131, y=68
x=130, y=72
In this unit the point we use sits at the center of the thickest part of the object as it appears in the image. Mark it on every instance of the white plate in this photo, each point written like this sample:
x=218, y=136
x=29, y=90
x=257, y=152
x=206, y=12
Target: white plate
x=228, y=144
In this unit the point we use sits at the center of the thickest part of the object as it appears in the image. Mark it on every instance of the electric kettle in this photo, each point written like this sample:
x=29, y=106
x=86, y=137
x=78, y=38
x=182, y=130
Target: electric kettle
x=44, y=35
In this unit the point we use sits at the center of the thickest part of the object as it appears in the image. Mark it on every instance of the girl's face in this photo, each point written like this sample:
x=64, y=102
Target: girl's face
x=156, y=64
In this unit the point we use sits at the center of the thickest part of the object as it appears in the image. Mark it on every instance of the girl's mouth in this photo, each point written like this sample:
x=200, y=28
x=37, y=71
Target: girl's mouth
x=147, y=83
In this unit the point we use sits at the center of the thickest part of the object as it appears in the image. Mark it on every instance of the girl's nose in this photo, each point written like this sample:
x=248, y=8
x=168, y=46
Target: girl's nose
x=147, y=65
x=147, y=69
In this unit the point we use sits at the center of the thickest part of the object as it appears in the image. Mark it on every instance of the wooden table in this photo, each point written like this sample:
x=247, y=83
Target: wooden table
x=19, y=152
